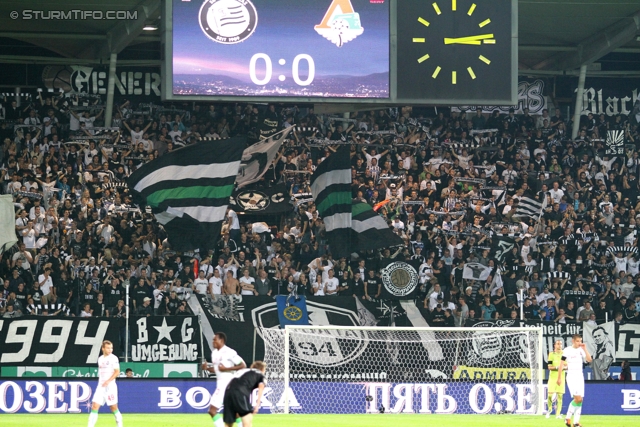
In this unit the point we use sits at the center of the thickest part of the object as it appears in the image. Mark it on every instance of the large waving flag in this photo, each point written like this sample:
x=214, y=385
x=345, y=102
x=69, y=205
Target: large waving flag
x=331, y=189
x=370, y=230
x=530, y=207
x=188, y=190
x=257, y=158
x=476, y=271
x=502, y=245
x=7, y=223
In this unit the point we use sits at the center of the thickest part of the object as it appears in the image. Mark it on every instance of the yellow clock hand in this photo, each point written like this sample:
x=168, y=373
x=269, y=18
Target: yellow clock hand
x=454, y=41
x=465, y=40
x=475, y=38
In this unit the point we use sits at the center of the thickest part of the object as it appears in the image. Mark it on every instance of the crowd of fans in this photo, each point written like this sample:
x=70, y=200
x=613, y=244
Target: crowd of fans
x=449, y=184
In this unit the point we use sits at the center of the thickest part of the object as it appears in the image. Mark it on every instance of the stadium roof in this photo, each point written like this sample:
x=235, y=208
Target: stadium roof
x=83, y=38
x=560, y=35
x=555, y=36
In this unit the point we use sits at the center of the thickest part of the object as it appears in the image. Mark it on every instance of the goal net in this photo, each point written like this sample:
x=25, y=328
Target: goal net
x=344, y=370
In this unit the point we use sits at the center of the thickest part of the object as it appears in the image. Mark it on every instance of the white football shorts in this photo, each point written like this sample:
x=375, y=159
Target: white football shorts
x=108, y=395
x=575, y=383
x=217, y=398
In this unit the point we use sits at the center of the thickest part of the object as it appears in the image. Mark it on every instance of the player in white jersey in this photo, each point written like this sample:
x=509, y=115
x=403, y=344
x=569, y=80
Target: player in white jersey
x=107, y=390
x=224, y=362
x=572, y=360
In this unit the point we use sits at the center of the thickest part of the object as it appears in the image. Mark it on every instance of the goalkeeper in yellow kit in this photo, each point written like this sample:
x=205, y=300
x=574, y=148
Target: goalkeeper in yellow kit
x=555, y=391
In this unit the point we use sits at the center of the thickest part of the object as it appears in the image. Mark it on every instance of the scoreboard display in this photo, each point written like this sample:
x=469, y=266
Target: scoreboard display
x=355, y=51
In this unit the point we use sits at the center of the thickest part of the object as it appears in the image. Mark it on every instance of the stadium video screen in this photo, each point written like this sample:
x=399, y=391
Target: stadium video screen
x=281, y=48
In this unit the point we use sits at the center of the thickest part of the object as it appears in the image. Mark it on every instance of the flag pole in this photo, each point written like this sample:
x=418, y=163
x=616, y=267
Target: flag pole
x=126, y=332
x=544, y=206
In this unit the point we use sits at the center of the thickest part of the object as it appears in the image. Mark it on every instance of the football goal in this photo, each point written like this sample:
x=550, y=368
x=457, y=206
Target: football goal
x=344, y=370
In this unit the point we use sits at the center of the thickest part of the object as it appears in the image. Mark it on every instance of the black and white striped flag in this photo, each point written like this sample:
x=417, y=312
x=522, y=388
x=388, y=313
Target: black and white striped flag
x=530, y=207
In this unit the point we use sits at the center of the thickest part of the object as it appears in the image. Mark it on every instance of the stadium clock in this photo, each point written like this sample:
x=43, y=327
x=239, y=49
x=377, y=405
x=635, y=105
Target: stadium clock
x=455, y=49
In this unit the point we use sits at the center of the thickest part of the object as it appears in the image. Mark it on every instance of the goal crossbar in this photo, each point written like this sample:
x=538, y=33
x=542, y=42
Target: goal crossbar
x=410, y=329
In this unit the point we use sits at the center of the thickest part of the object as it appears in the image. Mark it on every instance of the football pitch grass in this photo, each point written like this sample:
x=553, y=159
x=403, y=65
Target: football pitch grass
x=361, y=420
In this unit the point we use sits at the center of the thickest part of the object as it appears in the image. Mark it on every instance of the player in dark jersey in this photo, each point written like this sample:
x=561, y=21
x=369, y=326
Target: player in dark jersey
x=237, y=403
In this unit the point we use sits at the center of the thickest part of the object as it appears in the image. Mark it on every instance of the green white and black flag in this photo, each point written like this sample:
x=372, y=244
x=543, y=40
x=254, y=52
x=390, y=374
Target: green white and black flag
x=370, y=230
x=331, y=189
x=188, y=190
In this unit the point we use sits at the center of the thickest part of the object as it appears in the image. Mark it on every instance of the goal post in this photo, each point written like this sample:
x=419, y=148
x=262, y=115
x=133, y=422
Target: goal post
x=351, y=369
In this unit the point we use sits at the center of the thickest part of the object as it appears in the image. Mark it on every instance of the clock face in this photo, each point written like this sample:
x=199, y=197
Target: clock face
x=455, y=51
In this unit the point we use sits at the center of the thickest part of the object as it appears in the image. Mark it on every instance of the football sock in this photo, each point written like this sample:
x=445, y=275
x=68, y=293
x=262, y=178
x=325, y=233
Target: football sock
x=576, y=414
x=549, y=404
x=93, y=418
x=572, y=408
x=217, y=420
x=559, y=404
x=118, y=417
x=239, y=422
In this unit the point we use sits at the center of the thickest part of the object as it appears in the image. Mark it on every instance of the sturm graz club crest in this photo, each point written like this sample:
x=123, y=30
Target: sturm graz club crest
x=230, y=308
x=322, y=348
x=252, y=200
x=228, y=21
x=399, y=279
x=490, y=349
x=486, y=346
